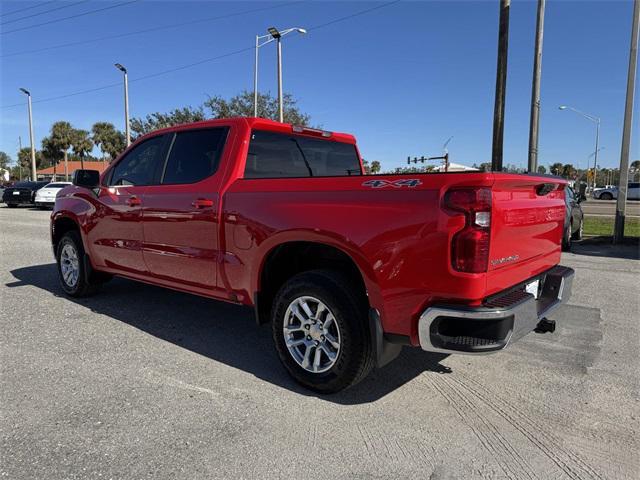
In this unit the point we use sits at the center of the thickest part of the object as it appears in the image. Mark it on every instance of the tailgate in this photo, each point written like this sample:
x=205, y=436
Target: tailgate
x=527, y=223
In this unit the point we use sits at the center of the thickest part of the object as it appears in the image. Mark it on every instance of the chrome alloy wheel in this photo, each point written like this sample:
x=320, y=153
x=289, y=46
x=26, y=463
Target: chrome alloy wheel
x=311, y=334
x=69, y=265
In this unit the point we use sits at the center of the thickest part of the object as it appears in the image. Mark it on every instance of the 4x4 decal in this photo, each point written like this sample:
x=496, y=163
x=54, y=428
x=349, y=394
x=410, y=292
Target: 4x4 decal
x=412, y=182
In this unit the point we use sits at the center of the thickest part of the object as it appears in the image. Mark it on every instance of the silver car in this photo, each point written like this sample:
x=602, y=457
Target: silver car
x=633, y=192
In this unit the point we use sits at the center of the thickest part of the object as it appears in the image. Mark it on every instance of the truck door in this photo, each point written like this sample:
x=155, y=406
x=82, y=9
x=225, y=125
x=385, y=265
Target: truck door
x=179, y=217
x=116, y=239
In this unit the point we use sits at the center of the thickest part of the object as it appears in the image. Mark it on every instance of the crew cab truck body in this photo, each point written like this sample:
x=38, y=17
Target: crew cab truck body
x=346, y=267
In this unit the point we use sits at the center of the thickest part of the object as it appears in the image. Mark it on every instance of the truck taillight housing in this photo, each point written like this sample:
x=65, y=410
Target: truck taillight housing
x=470, y=246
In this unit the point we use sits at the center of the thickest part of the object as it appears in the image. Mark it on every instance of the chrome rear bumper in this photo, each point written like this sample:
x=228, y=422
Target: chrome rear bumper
x=503, y=319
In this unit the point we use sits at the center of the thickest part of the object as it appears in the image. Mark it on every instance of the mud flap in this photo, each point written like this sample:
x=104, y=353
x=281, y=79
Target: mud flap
x=383, y=350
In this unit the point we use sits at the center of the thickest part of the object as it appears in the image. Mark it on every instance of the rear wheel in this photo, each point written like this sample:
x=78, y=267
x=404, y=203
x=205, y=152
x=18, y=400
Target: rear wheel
x=12, y=205
x=577, y=235
x=71, y=267
x=320, y=331
x=566, y=238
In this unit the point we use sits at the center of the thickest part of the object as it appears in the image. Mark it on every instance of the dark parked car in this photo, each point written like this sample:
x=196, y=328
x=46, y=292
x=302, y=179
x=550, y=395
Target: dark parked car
x=22, y=193
x=573, y=219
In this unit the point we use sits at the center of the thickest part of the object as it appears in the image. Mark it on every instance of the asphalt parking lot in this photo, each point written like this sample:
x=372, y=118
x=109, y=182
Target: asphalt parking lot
x=141, y=382
x=607, y=208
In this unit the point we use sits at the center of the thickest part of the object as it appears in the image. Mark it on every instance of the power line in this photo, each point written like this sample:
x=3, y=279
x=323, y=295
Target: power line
x=356, y=14
x=147, y=30
x=41, y=4
x=69, y=17
x=46, y=11
x=194, y=64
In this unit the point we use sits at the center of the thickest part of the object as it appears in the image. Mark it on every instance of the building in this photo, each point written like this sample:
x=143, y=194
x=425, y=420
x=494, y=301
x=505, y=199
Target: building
x=49, y=174
x=455, y=167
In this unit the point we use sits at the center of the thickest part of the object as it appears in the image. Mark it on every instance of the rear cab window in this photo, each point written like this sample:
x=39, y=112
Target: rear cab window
x=281, y=155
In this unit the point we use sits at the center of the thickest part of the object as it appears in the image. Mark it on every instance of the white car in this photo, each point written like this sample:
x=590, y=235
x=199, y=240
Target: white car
x=611, y=193
x=46, y=196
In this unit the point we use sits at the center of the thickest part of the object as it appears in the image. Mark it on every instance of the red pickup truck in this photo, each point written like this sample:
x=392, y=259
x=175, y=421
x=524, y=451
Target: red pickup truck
x=348, y=268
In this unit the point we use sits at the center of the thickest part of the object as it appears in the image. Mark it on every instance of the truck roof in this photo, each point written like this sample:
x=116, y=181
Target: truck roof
x=258, y=123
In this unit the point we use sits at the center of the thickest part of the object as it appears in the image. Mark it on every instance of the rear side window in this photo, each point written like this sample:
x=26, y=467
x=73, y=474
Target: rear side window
x=56, y=185
x=139, y=166
x=278, y=155
x=194, y=155
x=634, y=185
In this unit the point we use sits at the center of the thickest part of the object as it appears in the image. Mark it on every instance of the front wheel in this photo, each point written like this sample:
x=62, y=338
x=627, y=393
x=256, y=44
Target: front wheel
x=606, y=196
x=320, y=331
x=71, y=267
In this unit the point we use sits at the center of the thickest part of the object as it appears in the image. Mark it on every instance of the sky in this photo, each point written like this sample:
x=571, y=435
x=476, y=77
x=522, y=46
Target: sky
x=402, y=78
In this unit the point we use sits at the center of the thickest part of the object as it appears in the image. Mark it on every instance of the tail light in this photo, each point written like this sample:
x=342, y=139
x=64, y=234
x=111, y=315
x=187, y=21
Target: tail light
x=470, y=246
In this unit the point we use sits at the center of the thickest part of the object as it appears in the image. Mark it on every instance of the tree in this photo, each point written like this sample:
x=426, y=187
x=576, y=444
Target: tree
x=568, y=170
x=81, y=144
x=51, y=152
x=61, y=136
x=242, y=106
x=24, y=160
x=5, y=160
x=375, y=166
x=542, y=169
x=556, y=168
x=154, y=121
x=110, y=140
x=485, y=167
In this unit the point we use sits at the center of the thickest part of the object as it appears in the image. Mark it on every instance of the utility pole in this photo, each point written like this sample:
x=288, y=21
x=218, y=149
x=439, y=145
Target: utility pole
x=534, y=122
x=618, y=229
x=501, y=87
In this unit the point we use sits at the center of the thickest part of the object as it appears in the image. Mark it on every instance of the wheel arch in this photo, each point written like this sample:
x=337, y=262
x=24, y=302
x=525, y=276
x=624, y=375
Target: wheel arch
x=285, y=259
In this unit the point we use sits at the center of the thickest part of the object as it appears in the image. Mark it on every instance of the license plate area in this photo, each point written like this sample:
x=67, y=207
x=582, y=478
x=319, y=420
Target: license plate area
x=16, y=193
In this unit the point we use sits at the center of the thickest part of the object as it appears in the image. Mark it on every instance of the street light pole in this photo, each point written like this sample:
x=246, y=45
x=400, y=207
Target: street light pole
x=34, y=176
x=126, y=102
x=280, y=100
x=277, y=36
x=255, y=79
x=535, y=91
x=618, y=229
x=595, y=120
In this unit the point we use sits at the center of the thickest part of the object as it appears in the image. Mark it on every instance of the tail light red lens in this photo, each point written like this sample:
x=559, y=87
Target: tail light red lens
x=470, y=246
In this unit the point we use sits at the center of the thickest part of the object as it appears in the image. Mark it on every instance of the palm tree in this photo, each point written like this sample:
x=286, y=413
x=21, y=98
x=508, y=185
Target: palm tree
x=81, y=144
x=108, y=139
x=61, y=135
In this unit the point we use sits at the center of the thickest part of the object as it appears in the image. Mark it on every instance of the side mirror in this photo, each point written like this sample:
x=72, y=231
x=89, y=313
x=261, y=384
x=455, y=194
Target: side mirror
x=86, y=178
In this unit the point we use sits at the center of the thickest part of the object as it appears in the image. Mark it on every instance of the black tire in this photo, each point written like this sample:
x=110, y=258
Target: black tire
x=606, y=196
x=83, y=286
x=12, y=205
x=566, y=239
x=577, y=235
x=355, y=358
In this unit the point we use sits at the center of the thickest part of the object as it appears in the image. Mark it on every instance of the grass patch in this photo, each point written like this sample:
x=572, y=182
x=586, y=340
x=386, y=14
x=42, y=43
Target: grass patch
x=599, y=226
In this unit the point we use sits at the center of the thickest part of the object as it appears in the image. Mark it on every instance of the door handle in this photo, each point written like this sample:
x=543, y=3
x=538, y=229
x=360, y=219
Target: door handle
x=202, y=203
x=133, y=201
